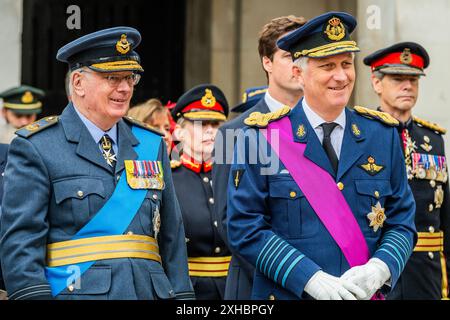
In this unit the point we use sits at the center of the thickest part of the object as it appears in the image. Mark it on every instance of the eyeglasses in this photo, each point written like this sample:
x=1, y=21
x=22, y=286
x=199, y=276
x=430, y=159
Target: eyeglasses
x=115, y=80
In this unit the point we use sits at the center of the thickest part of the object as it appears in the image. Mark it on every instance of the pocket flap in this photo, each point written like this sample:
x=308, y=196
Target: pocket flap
x=77, y=188
x=96, y=280
x=162, y=286
x=287, y=189
x=370, y=187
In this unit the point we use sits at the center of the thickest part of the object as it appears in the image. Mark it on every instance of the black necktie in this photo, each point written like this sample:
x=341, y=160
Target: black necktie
x=108, y=151
x=328, y=127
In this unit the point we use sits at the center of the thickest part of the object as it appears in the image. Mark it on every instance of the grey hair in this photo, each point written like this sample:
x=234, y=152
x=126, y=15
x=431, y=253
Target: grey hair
x=302, y=62
x=70, y=73
x=379, y=75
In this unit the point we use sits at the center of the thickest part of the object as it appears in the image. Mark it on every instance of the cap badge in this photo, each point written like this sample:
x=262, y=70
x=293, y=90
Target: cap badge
x=335, y=30
x=406, y=57
x=27, y=97
x=123, y=46
x=208, y=100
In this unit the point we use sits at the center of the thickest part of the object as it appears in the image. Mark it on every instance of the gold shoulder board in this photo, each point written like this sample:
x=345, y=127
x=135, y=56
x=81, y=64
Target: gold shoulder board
x=429, y=125
x=261, y=120
x=384, y=117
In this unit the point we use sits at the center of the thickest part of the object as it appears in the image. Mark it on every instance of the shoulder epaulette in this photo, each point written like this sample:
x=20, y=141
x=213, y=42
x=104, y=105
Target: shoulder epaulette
x=261, y=120
x=143, y=125
x=384, y=117
x=429, y=125
x=175, y=164
x=37, y=126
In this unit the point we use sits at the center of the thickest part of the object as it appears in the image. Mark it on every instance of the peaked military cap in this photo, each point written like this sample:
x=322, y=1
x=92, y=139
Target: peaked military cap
x=106, y=50
x=323, y=36
x=250, y=98
x=401, y=58
x=23, y=99
x=203, y=102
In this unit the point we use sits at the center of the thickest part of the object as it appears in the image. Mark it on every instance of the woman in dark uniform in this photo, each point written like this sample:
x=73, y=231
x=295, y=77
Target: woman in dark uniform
x=199, y=113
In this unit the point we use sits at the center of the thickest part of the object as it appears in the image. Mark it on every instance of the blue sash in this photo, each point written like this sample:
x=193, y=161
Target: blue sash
x=113, y=218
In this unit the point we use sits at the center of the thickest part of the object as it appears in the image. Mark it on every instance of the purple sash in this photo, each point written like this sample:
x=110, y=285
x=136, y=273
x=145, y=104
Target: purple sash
x=333, y=210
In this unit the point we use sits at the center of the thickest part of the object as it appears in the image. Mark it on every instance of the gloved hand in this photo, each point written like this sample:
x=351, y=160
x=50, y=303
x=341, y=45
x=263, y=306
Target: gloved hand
x=323, y=286
x=370, y=277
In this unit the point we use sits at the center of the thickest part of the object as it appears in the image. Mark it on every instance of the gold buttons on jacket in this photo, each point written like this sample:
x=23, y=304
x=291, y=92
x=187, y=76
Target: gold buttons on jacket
x=377, y=194
x=155, y=196
x=211, y=200
x=432, y=183
x=217, y=250
x=80, y=193
x=215, y=223
x=293, y=194
x=271, y=297
x=340, y=186
x=431, y=229
x=431, y=255
x=430, y=207
x=70, y=288
x=130, y=233
x=205, y=180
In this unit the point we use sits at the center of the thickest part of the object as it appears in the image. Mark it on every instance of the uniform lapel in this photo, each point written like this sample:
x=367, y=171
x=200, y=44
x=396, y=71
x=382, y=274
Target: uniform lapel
x=304, y=133
x=126, y=142
x=76, y=132
x=351, y=150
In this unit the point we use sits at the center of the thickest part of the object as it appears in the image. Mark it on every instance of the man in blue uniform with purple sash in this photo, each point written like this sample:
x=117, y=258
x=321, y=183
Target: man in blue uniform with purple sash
x=318, y=200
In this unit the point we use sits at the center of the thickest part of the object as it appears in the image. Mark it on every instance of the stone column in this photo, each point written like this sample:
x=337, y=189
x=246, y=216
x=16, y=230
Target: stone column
x=11, y=38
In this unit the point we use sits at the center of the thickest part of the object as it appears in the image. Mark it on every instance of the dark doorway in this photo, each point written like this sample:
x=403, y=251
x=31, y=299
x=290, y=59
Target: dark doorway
x=160, y=23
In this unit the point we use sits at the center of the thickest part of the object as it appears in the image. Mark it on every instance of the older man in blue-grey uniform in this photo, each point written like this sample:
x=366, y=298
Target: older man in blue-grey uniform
x=318, y=201
x=282, y=90
x=89, y=210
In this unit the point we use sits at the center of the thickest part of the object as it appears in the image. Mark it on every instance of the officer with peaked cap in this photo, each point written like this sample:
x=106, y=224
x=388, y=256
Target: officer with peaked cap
x=325, y=212
x=90, y=210
x=282, y=90
x=21, y=105
x=396, y=72
x=198, y=113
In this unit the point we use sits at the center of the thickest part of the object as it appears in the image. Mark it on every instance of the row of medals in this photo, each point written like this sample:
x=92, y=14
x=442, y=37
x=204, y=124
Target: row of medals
x=420, y=172
x=151, y=182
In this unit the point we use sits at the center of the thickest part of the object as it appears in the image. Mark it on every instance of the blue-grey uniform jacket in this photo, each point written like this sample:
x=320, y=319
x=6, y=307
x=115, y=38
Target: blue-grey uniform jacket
x=56, y=181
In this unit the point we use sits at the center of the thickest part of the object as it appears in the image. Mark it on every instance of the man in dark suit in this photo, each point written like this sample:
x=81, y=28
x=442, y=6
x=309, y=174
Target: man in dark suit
x=282, y=90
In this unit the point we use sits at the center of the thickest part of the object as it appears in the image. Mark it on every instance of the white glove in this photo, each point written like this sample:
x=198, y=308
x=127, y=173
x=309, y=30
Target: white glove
x=370, y=277
x=323, y=286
